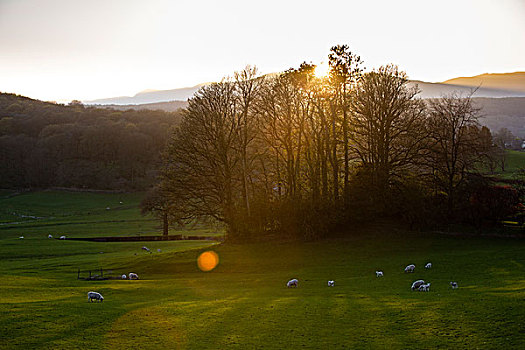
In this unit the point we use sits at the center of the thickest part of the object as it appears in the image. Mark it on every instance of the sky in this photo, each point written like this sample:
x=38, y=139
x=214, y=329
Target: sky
x=59, y=50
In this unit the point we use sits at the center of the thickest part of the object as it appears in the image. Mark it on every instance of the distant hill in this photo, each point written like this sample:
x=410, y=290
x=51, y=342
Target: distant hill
x=149, y=96
x=434, y=90
x=500, y=113
x=45, y=145
x=501, y=96
x=514, y=82
x=170, y=106
x=487, y=85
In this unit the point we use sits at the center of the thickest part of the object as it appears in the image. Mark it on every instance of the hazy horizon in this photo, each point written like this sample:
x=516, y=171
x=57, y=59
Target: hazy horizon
x=63, y=50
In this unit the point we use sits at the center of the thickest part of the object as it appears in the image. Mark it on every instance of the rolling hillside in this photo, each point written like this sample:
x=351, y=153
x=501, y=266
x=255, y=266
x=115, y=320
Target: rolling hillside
x=512, y=82
x=487, y=85
x=435, y=90
x=149, y=96
x=497, y=113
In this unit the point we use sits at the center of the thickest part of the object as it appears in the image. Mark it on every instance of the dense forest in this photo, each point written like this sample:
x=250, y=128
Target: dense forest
x=297, y=155
x=46, y=145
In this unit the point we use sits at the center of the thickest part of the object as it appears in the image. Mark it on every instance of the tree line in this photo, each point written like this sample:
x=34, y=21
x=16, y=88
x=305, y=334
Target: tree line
x=45, y=145
x=297, y=155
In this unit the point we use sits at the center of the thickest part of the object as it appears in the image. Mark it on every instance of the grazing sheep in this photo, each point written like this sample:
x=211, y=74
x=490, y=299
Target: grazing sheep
x=95, y=296
x=49, y=236
x=428, y=266
x=120, y=202
x=379, y=273
x=21, y=237
x=62, y=237
x=133, y=276
x=454, y=285
x=410, y=268
x=424, y=287
x=417, y=284
x=108, y=208
x=292, y=283
x=124, y=276
x=145, y=248
x=331, y=283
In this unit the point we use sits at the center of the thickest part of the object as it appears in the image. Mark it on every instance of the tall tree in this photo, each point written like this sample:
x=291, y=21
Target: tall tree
x=247, y=87
x=389, y=134
x=345, y=72
x=456, y=149
x=203, y=160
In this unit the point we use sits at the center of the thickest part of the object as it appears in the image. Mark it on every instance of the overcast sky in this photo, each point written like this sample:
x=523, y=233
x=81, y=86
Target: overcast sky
x=77, y=49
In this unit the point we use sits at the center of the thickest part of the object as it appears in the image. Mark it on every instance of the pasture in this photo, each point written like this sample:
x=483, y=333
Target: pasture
x=244, y=302
x=514, y=164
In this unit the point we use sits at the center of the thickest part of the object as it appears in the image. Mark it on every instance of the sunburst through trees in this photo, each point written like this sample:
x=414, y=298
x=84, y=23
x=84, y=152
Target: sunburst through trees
x=300, y=153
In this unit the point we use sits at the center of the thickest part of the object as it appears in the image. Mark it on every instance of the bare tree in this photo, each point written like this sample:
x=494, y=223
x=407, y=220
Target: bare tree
x=247, y=87
x=389, y=133
x=203, y=160
x=456, y=149
x=345, y=72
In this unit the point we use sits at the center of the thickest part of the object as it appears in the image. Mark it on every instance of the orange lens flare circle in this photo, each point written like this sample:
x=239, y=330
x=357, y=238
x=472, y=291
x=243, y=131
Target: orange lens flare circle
x=207, y=261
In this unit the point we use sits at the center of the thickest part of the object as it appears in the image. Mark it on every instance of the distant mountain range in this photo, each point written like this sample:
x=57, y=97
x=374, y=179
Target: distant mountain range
x=487, y=85
x=514, y=82
x=170, y=106
x=149, y=96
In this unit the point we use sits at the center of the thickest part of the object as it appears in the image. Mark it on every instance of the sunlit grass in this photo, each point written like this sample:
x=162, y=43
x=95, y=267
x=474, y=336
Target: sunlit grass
x=244, y=303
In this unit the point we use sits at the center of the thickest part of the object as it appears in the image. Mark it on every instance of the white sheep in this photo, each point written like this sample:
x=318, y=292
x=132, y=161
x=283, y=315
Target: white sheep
x=49, y=236
x=454, y=285
x=62, y=237
x=124, y=276
x=428, y=266
x=95, y=296
x=145, y=248
x=417, y=284
x=379, y=273
x=133, y=276
x=331, y=283
x=424, y=287
x=21, y=237
x=292, y=283
x=410, y=268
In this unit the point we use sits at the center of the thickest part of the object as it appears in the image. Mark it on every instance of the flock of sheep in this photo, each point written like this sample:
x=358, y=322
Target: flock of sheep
x=98, y=297
x=418, y=285
x=61, y=237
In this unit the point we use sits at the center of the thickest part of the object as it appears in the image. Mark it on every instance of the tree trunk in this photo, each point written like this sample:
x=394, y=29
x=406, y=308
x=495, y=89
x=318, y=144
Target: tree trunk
x=165, y=223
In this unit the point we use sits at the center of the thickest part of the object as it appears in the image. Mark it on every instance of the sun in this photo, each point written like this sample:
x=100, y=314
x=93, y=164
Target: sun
x=321, y=70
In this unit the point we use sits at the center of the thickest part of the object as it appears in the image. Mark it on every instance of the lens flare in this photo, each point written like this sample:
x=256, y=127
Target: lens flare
x=207, y=261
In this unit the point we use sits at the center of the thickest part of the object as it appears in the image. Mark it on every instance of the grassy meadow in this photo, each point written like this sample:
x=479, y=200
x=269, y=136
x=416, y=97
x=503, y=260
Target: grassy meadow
x=244, y=303
x=514, y=162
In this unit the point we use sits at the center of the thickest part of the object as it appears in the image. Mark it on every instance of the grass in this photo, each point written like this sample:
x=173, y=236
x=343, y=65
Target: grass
x=244, y=303
x=515, y=160
x=78, y=214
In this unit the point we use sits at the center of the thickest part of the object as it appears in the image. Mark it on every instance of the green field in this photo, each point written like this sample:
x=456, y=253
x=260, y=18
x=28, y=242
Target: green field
x=514, y=162
x=244, y=302
x=77, y=214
